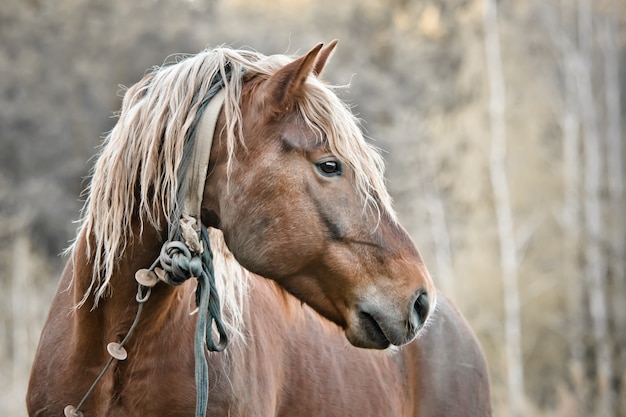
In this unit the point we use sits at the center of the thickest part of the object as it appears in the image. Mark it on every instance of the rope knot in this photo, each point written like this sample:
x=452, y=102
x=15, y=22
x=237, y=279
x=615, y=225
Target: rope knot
x=178, y=263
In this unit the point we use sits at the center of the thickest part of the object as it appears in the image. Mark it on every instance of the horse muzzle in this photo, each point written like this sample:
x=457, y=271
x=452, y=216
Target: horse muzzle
x=377, y=325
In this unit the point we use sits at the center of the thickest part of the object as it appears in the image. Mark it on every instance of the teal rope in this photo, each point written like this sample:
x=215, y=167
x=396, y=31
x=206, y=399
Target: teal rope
x=180, y=264
x=202, y=367
x=208, y=303
x=207, y=291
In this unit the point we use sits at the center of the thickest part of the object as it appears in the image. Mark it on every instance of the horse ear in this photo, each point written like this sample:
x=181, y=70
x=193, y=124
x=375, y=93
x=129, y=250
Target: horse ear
x=325, y=53
x=288, y=80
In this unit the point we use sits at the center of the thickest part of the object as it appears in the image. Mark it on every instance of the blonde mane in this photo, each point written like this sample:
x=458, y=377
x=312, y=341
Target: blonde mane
x=136, y=174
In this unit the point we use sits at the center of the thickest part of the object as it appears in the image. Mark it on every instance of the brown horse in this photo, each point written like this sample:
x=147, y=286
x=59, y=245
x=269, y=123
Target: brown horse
x=292, y=192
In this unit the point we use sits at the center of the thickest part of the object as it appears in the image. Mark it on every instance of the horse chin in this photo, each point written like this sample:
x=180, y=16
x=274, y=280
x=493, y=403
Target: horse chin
x=368, y=336
x=372, y=328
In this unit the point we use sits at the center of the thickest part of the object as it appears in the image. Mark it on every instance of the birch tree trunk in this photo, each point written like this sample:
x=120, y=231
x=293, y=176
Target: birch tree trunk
x=615, y=169
x=504, y=213
x=571, y=148
x=595, y=260
x=570, y=124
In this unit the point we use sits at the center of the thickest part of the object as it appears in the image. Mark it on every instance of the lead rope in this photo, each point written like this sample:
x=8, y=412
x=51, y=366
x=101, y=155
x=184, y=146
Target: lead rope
x=194, y=258
x=175, y=265
x=178, y=264
x=208, y=302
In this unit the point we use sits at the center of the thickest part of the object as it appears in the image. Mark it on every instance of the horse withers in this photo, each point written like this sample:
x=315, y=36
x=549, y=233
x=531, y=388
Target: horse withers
x=307, y=252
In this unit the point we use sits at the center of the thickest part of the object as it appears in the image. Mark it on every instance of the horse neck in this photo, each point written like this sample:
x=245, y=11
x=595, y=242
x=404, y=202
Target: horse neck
x=111, y=317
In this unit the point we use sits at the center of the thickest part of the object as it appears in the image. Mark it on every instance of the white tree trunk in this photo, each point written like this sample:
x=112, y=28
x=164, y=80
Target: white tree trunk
x=504, y=212
x=570, y=123
x=595, y=260
x=615, y=169
x=562, y=34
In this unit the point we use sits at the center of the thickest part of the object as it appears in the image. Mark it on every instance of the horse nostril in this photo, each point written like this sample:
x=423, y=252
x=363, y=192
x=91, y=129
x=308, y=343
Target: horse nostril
x=421, y=308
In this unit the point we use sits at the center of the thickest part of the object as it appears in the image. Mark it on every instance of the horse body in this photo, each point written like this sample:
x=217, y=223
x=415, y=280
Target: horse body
x=294, y=364
x=308, y=253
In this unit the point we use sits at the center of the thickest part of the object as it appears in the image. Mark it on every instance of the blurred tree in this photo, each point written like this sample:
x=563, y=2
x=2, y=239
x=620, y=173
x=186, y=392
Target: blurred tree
x=504, y=212
x=418, y=74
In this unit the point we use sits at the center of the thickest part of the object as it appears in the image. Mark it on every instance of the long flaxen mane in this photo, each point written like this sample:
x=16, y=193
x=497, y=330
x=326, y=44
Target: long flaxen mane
x=136, y=176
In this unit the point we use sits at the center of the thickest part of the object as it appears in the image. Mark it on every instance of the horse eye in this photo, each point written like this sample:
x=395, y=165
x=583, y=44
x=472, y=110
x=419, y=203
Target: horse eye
x=330, y=168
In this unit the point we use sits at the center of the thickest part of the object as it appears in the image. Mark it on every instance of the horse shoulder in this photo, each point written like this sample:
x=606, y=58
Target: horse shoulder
x=50, y=374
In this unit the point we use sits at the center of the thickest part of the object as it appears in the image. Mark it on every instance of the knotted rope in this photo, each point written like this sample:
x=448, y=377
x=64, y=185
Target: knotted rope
x=187, y=253
x=175, y=265
x=196, y=260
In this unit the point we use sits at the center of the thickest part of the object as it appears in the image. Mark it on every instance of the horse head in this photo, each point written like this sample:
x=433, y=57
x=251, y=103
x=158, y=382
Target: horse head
x=300, y=198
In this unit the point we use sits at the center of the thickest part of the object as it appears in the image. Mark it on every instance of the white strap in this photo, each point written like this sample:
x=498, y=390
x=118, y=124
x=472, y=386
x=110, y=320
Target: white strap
x=197, y=172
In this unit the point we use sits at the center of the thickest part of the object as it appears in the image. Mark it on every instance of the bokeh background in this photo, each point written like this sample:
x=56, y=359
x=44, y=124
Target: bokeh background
x=502, y=125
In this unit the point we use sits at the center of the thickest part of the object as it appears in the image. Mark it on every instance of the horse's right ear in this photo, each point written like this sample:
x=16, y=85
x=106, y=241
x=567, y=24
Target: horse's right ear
x=325, y=53
x=287, y=82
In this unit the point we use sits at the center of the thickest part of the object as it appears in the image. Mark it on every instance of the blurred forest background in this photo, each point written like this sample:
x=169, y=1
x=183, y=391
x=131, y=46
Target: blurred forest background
x=502, y=125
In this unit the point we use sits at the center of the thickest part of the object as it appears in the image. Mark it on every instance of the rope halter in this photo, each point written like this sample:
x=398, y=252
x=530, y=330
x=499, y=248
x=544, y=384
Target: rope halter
x=186, y=254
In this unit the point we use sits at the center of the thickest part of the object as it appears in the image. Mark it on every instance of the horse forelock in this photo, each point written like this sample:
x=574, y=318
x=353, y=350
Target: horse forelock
x=135, y=178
